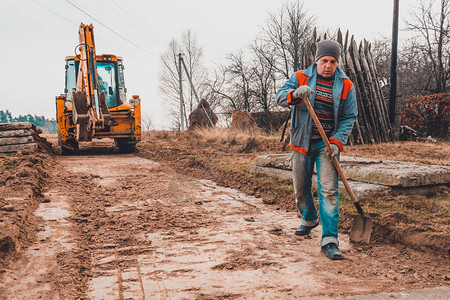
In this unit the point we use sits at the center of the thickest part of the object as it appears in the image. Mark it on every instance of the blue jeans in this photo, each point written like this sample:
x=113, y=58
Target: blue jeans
x=327, y=176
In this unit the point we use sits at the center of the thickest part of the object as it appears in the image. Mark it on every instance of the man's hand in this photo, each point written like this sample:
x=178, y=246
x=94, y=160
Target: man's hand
x=302, y=92
x=335, y=150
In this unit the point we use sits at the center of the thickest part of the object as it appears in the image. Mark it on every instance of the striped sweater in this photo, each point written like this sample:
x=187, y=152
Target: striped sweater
x=323, y=106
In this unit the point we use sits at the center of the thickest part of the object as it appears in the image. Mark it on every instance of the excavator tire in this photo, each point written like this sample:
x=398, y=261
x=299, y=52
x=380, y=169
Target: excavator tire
x=125, y=145
x=70, y=148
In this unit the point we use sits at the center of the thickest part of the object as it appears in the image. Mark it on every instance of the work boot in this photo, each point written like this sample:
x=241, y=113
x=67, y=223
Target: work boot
x=305, y=230
x=332, y=251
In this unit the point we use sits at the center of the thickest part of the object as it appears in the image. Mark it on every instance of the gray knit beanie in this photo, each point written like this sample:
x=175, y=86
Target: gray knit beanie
x=328, y=48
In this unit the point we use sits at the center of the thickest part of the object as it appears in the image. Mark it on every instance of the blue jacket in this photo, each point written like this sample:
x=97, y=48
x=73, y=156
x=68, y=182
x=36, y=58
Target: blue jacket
x=344, y=103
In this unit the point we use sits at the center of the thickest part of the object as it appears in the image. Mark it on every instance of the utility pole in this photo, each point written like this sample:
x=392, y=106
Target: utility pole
x=394, y=104
x=180, y=75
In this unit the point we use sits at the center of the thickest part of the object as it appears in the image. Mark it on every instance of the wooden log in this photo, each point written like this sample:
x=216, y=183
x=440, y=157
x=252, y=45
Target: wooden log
x=15, y=126
x=346, y=41
x=379, y=120
x=358, y=129
x=366, y=132
x=376, y=94
x=365, y=99
x=339, y=37
x=17, y=147
x=378, y=87
x=371, y=103
x=16, y=140
x=17, y=133
x=374, y=74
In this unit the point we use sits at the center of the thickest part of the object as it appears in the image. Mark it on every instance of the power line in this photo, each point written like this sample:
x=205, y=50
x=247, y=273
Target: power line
x=110, y=29
x=67, y=20
x=126, y=20
x=62, y=17
x=136, y=20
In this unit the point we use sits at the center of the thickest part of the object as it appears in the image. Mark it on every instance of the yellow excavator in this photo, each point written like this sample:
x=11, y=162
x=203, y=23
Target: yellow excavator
x=94, y=103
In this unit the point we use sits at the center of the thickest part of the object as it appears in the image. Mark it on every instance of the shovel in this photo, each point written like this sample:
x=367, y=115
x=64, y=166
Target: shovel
x=362, y=225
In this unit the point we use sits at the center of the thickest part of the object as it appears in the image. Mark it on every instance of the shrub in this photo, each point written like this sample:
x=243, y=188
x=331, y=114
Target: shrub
x=428, y=115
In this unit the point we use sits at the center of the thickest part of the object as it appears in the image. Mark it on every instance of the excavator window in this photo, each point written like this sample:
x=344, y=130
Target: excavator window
x=107, y=82
x=110, y=80
x=71, y=78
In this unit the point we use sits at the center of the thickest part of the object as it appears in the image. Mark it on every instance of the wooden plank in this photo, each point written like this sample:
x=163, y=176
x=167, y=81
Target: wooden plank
x=14, y=126
x=17, y=147
x=17, y=132
x=16, y=140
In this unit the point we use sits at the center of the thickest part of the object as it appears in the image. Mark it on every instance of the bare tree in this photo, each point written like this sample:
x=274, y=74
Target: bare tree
x=192, y=56
x=433, y=26
x=147, y=122
x=169, y=82
x=250, y=78
x=170, y=76
x=381, y=52
x=414, y=71
x=289, y=31
x=240, y=77
x=219, y=88
x=263, y=68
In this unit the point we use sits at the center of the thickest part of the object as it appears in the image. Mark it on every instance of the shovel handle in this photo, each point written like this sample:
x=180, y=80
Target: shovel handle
x=333, y=158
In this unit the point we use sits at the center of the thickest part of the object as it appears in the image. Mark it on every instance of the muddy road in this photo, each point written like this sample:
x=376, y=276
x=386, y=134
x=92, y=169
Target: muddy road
x=119, y=226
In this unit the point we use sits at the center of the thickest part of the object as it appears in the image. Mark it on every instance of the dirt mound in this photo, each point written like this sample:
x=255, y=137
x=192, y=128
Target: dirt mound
x=22, y=181
x=397, y=228
x=25, y=170
x=202, y=116
x=243, y=121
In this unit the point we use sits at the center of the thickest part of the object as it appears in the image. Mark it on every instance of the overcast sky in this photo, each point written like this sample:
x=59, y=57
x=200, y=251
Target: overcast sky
x=36, y=36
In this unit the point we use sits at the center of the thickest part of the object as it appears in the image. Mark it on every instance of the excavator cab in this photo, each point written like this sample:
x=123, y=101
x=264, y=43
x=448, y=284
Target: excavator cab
x=94, y=103
x=110, y=79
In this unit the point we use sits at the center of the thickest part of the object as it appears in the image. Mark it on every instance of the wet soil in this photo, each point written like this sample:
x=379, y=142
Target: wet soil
x=120, y=226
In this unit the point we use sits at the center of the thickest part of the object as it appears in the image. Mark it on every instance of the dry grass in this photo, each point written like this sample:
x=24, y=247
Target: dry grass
x=224, y=135
x=418, y=152
x=222, y=139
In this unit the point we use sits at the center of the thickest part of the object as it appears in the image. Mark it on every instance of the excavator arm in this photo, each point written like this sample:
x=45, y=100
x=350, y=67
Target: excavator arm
x=89, y=106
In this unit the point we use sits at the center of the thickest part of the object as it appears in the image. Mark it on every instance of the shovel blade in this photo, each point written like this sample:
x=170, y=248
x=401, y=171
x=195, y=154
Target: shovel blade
x=361, y=230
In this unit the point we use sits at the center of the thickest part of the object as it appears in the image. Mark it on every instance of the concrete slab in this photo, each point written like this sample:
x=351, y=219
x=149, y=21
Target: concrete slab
x=376, y=171
x=360, y=189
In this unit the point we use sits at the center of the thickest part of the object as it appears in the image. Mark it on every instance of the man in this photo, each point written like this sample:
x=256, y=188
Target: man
x=332, y=96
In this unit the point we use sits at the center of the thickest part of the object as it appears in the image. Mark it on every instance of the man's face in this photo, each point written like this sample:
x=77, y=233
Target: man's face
x=326, y=66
